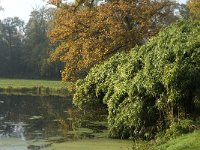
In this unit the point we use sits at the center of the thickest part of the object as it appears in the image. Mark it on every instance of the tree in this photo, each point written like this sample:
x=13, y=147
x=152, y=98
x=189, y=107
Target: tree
x=11, y=36
x=194, y=6
x=1, y=8
x=85, y=36
x=150, y=88
x=37, y=46
x=25, y=50
x=57, y=3
x=3, y=46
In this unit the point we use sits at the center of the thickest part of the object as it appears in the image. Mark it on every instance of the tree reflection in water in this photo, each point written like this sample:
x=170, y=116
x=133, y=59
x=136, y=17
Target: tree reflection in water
x=47, y=119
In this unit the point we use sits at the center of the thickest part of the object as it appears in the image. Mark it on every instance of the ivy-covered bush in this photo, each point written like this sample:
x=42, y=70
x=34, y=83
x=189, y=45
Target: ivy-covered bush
x=149, y=88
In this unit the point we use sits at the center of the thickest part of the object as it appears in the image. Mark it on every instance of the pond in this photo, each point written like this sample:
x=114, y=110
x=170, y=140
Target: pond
x=51, y=123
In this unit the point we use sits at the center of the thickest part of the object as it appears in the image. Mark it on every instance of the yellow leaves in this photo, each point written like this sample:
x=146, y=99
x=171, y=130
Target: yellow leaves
x=88, y=36
x=194, y=6
x=55, y=2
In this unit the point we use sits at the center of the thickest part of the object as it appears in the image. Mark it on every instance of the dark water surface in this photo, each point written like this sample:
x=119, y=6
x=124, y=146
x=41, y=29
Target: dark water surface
x=34, y=123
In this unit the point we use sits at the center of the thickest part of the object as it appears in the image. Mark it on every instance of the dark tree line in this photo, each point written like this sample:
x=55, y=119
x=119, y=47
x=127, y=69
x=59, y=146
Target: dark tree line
x=25, y=49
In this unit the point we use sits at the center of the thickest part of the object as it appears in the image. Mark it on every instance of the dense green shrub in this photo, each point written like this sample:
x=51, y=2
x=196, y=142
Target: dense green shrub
x=149, y=88
x=176, y=129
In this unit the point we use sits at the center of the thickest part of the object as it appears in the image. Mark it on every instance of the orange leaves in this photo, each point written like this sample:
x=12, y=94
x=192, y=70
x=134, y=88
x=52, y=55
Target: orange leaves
x=194, y=6
x=55, y=2
x=84, y=37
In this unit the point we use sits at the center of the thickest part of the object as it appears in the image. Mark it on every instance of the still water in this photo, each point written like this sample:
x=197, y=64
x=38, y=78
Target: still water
x=50, y=123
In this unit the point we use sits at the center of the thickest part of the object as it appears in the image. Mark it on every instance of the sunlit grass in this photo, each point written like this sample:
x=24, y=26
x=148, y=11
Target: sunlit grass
x=34, y=87
x=31, y=83
x=93, y=144
x=185, y=142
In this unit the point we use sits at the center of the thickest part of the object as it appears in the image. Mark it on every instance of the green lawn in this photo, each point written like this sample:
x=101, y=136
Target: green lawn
x=34, y=87
x=93, y=144
x=185, y=142
x=15, y=83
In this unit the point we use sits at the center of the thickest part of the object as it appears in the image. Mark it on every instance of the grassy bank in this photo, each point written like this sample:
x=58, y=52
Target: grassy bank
x=185, y=142
x=190, y=141
x=34, y=87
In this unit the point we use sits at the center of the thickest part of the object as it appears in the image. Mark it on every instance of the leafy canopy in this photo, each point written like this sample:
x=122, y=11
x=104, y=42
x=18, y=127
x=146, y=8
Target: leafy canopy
x=194, y=6
x=85, y=36
x=149, y=88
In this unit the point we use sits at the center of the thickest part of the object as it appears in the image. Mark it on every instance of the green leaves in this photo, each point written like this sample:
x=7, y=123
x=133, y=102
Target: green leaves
x=148, y=88
x=84, y=36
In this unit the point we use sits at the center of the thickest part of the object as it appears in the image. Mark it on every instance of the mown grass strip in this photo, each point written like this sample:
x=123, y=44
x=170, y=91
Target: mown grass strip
x=35, y=87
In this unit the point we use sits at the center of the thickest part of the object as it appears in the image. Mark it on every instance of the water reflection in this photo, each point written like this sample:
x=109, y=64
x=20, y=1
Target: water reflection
x=33, y=123
x=11, y=129
x=28, y=118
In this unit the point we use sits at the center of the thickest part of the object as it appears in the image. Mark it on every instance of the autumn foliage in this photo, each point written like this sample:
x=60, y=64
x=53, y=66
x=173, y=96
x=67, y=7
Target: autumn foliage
x=194, y=6
x=85, y=36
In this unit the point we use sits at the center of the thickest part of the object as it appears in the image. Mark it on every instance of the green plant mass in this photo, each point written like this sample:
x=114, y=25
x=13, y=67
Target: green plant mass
x=151, y=88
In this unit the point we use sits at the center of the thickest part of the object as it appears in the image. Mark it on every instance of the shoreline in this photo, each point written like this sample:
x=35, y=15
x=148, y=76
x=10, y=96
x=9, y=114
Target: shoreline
x=35, y=87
